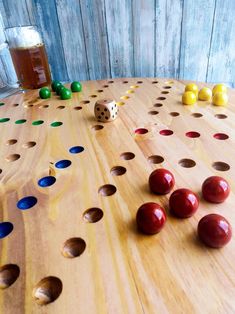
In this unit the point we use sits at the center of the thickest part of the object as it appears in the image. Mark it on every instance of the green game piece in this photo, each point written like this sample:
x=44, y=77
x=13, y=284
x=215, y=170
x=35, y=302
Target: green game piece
x=20, y=121
x=56, y=123
x=44, y=93
x=59, y=89
x=65, y=94
x=2, y=103
x=55, y=84
x=37, y=122
x=76, y=87
x=4, y=120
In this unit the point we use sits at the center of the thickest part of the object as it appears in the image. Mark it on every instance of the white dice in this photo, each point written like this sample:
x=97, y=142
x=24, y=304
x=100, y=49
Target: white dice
x=106, y=110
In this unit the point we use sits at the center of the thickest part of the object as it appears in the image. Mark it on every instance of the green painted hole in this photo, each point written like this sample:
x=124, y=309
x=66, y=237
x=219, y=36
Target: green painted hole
x=56, y=123
x=37, y=122
x=4, y=120
x=21, y=121
x=2, y=103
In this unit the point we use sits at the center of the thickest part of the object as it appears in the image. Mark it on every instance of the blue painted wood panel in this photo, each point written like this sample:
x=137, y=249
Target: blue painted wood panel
x=94, y=39
x=221, y=65
x=168, y=35
x=197, y=23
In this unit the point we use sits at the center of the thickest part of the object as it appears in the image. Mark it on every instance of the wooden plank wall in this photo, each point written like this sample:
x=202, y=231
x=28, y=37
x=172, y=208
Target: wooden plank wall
x=95, y=39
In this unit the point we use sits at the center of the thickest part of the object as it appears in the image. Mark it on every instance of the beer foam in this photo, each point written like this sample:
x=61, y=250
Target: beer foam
x=25, y=37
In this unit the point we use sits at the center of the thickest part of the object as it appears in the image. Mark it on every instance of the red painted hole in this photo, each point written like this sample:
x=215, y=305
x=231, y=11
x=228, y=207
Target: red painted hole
x=166, y=132
x=141, y=131
x=192, y=134
x=221, y=136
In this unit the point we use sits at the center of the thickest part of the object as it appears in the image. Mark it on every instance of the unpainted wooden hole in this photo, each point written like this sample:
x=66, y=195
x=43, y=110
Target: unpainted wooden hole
x=29, y=144
x=153, y=112
x=107, y=190
x=221, y=116
x=187, y=163
x=118, y=171
x=15, y=105
x=157, y=105
x=77, y=108
x=73, y=247
x=154, y=82
x=11, y=141
x=165, y=92
x=99, y=90
x=161, y=98
x=127, y=156
x=93, y=215
x=125, y=82
x=12, y=157
x=8, y=275
x=60, y=107
x=47, y=290
x=155, y=159
x=220, y=166
x=97, y=127
x=167, y=87
x=174, y=114
x=85, y=102
x=197, y=115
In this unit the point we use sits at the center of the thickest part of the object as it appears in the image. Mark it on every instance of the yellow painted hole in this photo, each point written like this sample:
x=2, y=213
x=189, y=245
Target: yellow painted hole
x=134, y=86
x=169, y=82
x=124, y=97
x=120, y=103
x=130, y=91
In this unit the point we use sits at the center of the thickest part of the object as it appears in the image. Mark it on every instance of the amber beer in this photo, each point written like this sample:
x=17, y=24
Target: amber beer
x=29, y=57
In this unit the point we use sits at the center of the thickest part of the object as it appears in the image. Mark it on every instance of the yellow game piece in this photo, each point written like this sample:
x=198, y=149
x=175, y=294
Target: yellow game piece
x=220, y=99
x=189, y=98
x=205, y=94
x=191, y=88
x=219, y=88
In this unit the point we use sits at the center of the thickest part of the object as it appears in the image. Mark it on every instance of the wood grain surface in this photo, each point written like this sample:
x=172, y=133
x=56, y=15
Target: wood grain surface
x=79, y=247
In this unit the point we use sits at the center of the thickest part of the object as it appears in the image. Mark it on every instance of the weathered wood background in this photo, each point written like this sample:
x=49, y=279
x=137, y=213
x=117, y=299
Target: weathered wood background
x=94, y=39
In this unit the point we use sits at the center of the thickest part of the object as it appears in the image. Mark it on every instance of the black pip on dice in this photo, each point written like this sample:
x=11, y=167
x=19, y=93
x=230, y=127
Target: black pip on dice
x=106, y=110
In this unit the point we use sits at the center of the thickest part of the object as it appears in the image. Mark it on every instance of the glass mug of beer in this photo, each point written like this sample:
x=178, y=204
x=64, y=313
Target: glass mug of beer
x=29, y=56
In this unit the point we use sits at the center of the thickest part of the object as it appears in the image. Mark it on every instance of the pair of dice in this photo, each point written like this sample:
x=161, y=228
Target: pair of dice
x=106, y=110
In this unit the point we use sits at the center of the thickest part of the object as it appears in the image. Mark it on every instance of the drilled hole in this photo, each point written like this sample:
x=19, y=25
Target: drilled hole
x=107, y=190
x=164, y=92
x=174, y=114
x=93, y=215
x=134, y=86
x=124, y=97
x=93, y=96
x=141, y=131
x=187, y=163
x=97, y=127
x=166, y=132
x=221, y=116
x=8, y=275
x=155, y=159
x=29, y=144
x=153, y=112
x=85, y=102
x=73, y=247
x=110, y=82
x=221, y=136
x=221, y=166
x=99, y=90
x=125, y=82
x=28, y=106
x=60, y=107
x=47, y=290
x=120, y=103
x=158, y=105
x=11, y=142
x=105, y=86
x=15, y=105
x=12, y=157
x=118, y=171
x=161, y=98
x=127, y=156
x=130, y=91
x=154, y=82
x=197, y=115
x=77, y=108
x=139, y=82
x=192, y=134
x=167, y=87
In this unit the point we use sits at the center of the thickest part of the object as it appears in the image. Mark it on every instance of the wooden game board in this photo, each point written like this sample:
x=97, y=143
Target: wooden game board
x=118, y=270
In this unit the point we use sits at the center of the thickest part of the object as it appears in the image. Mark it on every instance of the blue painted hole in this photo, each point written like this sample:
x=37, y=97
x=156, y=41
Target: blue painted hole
x=76, y=149
x=63, y=164
x=27, y=202
x=46, y=181
x=5, y=229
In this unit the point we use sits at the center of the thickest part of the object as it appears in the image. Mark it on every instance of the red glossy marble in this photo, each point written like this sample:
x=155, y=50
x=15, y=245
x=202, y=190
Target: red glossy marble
x=161, y=181
x=215, y=189
x=183, y=203
x=150, y=218
x=214, y=230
